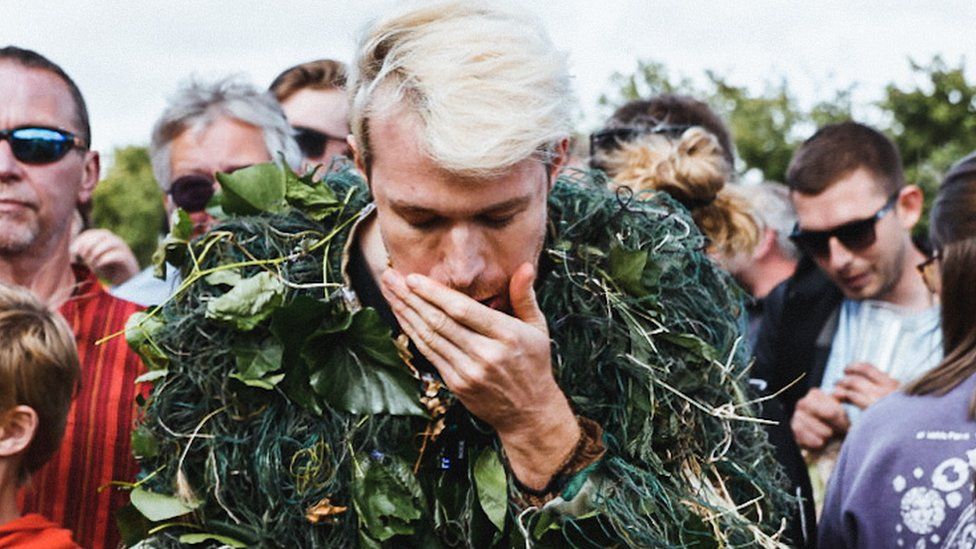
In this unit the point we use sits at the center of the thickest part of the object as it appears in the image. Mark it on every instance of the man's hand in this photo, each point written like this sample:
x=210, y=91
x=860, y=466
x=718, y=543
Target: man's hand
x=499, y=366
x=106, y=254
x=818, y=418
x=863, y=385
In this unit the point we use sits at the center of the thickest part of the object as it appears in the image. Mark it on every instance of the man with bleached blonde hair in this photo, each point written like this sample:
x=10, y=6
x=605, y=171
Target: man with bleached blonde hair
x=512, y=359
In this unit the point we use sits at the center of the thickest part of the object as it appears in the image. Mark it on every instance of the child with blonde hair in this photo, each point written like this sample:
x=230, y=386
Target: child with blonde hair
x=38, y=378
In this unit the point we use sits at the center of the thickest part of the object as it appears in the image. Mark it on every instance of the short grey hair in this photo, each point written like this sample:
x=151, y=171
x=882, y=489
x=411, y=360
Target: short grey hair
x=198, y=104
x=773, y=209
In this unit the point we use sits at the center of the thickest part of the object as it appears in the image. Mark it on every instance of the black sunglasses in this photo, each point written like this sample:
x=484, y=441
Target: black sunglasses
x=611, y=138
x=312, y=142
x=192, y=192
x=39, y=144
x=855, y=236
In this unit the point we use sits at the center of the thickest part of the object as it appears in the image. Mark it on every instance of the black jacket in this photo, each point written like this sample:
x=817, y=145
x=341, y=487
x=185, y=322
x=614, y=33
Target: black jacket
x=793, y=344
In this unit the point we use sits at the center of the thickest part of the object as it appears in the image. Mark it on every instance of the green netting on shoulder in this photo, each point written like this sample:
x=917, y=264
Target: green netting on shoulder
x=282, y=414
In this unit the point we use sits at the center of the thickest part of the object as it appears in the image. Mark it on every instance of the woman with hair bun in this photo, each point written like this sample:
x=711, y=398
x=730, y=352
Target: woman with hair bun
x=905, y=476
x=678, y=145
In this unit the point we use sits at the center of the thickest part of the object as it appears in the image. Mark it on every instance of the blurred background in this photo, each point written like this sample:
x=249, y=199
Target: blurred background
x=776, y=70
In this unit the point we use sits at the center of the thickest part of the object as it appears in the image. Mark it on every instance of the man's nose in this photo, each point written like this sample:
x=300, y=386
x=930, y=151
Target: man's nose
x=840, y=256
x=10, y=168
x=464, y=256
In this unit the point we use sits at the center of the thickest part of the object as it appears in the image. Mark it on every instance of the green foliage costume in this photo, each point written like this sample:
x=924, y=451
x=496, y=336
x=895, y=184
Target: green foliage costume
x=282, y=414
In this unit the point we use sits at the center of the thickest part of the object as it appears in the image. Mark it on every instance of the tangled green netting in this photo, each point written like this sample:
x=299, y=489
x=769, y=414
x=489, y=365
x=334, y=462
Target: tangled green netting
x=645, y=341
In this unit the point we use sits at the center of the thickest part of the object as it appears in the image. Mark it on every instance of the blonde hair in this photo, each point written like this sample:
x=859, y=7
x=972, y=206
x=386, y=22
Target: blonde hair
x=38, y=368
x=487, y=85
x=692, y=169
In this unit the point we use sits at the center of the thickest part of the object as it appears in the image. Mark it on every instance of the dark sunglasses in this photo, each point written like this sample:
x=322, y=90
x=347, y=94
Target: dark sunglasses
x=612, y=138
x=929, y=269
x=855, y=236
x=312, y=142
x=40, y=145
x=192, y=192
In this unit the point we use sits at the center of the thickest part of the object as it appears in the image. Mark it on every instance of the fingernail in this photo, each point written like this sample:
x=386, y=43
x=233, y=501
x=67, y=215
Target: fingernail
x=393, y=280
x=414, y=280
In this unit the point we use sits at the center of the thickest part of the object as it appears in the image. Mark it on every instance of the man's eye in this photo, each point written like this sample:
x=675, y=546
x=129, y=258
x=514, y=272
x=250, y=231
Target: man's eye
x=497, y=221
x=426, y=223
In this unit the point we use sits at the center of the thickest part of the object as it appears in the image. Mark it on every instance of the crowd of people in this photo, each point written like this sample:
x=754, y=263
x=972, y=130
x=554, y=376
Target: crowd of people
x=851, y=340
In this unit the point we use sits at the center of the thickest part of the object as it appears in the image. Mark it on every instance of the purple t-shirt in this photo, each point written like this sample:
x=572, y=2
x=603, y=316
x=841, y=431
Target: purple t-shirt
x=905, y=476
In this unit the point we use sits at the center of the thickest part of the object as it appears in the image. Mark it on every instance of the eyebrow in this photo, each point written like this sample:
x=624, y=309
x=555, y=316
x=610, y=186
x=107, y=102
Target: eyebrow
x=513, y=204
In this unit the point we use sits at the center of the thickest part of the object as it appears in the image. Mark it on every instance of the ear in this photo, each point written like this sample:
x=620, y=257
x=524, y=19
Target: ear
x=17, y=428
x=92, y=171
x=560, y=156
x=766, y=242
x=909, y=205
x=357, y=156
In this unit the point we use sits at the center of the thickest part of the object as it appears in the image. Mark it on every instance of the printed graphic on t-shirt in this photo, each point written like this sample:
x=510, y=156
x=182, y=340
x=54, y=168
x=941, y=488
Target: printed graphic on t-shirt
x=939, y=501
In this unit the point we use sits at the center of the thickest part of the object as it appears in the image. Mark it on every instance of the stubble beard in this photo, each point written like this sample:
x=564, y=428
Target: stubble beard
x=16, y=235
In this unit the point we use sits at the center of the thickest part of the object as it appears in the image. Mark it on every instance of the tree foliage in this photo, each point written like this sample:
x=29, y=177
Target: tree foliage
x=129, y=202
x=933, y=122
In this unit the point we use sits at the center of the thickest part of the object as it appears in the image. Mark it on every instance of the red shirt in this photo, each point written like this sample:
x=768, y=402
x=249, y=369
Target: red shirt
x=96, y=446
x=34, y=532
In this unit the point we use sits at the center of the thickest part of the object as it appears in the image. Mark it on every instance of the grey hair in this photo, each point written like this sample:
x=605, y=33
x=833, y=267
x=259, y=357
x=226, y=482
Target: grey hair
x=198, y=104
x=488, y=85
x=773, y=209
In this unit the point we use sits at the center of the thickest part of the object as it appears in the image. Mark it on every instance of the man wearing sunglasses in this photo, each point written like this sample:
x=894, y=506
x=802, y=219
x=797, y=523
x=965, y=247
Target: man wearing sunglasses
x=313, y=96
x=874, y=325
x=208, y=128
x=46, y=171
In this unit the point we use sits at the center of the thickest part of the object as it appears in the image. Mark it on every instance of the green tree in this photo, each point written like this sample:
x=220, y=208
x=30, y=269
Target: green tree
x=766, y=126
x=933, y=123
x=129, y=202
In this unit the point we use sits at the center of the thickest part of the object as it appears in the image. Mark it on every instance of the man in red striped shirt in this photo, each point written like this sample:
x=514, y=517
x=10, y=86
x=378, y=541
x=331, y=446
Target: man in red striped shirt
x=46, y=170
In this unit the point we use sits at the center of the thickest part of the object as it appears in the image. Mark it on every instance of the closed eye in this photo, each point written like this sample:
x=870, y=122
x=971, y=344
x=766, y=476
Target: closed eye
x=496, y=221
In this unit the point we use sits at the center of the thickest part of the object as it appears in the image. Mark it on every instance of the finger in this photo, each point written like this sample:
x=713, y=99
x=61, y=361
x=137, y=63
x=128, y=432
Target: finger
x=439, y=322
x=408, y=319
x=859, y=399
x=809, y=434
x=866, y=370
x=522, y=296
x=466, y=311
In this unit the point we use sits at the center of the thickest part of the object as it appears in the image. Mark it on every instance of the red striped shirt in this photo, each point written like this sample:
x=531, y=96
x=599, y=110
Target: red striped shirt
x=96, y=446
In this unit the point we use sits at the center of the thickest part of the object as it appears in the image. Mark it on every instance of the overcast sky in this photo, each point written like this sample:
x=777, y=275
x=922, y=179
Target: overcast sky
x=128, y=57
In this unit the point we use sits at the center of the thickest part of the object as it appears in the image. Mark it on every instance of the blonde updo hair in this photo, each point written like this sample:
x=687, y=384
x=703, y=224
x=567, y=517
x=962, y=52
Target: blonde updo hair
x=694, y=169
x=488, y=86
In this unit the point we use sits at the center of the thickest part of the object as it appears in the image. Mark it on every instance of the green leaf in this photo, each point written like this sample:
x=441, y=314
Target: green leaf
x=492, y=486
x=627, y=268
x=387, y=497
x=315, y=199
x=357, y=369
x=152, y=375
x=182, y=226
x=140, y=331
x=253, y=190
x=133, y=525
x=144, y=444
x=692, y=343
x=249, y=302
x=193, y=539
x=157, y=507
x=226, y=277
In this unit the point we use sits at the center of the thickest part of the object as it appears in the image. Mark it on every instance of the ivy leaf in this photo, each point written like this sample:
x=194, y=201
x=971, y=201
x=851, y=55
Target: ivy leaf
x=140, y=331
x=255, y=363
x=387, y=497
x=152, y=375
x=627, y=269
x=182, y=227
x=157, y=507
x=291, y=324
x=315, y=199
x=694, y=344
x=355, y=367
x=224, y=277
x=193, y=539
x=492, y=486
x=144, y=444
x=249, y=302
x=173, y=248
x=253, y=190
